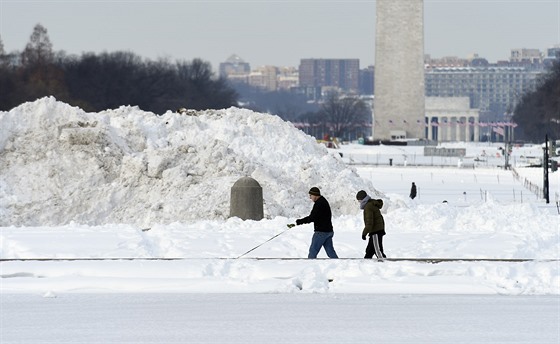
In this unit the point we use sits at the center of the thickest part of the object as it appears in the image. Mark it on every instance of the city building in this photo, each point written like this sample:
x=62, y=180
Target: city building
x=234, y=67
x=451, y=119
x=465, y=99
x=288, y=78
x=446, y=61
x=367, y=80
x=264, y=78
x=342, y=74
x=493, y=89
x=553, y=52
x=526, y=55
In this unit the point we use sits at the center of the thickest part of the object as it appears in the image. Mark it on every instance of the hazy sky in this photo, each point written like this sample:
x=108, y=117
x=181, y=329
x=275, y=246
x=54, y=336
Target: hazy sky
x=274, y=32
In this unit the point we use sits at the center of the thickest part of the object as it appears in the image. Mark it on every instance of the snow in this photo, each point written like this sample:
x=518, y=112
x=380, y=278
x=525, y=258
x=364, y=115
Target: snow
x=129, y=166
x=127, y=208
x=281, y=318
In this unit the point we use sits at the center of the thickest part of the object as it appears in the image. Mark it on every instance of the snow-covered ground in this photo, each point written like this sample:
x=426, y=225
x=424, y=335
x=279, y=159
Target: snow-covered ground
x=90, y=203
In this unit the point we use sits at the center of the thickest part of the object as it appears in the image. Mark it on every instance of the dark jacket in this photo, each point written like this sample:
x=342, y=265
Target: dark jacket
x=373, y=220
x=413, y=191
x=320, y=216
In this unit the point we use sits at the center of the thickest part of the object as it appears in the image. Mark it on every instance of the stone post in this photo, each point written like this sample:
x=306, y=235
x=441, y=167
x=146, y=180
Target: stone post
x=246, y=200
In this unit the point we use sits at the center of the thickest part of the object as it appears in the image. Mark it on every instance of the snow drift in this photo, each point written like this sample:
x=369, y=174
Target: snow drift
x=60, y=164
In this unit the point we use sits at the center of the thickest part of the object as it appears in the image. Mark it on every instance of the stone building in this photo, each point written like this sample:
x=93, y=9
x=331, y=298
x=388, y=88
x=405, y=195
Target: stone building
x=451, y=119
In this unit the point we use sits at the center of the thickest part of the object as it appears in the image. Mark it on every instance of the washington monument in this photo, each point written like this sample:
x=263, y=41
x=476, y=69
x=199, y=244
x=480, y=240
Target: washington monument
x=399, y=70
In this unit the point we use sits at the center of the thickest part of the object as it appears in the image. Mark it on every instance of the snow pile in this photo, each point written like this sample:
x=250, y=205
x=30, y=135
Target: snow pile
x=59, y=164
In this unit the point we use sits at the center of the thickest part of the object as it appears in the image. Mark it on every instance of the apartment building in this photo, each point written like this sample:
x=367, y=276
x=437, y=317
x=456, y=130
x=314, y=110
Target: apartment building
x=343, y=74
x=288, y=78
x=493, y=89
x=264, y=78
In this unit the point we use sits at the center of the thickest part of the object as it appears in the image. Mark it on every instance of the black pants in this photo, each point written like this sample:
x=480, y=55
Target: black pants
x=375, y=246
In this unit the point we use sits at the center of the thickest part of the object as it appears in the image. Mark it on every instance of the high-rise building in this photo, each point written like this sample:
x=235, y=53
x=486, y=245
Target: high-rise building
x=338, y=73
x=367, y=79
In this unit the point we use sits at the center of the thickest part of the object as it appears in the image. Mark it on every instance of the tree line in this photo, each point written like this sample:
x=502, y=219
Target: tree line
x=538, y=112
x=97, y=82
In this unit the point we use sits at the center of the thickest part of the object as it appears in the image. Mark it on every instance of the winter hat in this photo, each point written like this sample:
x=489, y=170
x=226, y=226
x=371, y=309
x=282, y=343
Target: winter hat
x=315, y=191
x=361, y=195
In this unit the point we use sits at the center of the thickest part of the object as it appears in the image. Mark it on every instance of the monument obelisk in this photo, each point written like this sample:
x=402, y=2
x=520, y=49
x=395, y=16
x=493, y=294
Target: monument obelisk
x=399, y=69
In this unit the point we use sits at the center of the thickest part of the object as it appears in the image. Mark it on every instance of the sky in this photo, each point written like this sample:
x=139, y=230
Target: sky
x=273, y=32
x=100, y=195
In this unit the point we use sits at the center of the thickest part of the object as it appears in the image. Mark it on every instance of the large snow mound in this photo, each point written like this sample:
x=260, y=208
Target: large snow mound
x=60, y=164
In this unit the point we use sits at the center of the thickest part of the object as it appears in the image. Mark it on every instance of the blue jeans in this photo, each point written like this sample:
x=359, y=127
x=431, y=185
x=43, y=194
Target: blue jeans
x=322, y=239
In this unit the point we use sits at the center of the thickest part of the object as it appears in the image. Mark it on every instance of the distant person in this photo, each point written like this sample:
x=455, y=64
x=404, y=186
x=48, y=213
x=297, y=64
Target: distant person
x=413, y=191
x=321, y=217
x=374, y=225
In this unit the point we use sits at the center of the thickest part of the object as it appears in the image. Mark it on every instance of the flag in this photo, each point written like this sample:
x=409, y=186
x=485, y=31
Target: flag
x=498, y=130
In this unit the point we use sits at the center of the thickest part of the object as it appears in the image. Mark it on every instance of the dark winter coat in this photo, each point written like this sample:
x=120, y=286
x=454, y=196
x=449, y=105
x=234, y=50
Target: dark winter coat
x=373, y=220
x=413, y=191
x=320, y=216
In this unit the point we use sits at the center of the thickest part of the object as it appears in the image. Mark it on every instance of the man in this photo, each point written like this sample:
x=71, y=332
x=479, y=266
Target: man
x=413, y=191
x=321, y=217
x=374, y=225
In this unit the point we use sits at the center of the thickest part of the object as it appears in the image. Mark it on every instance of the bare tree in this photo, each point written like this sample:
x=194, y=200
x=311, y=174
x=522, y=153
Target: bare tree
x=201, y=90
x=39, y=50
x=4, y=58
x=341, y=113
